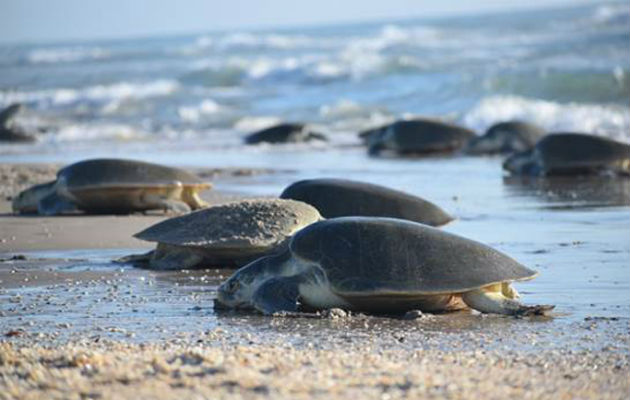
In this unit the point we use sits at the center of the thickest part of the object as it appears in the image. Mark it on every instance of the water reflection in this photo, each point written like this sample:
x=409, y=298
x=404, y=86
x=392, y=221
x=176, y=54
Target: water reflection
x=571, y=192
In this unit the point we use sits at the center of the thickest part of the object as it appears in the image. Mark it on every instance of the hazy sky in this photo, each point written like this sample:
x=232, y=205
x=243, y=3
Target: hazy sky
x=54, y=20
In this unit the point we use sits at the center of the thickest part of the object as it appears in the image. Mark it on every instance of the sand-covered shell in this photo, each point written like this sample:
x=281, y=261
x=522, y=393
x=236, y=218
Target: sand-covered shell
x=227, y=234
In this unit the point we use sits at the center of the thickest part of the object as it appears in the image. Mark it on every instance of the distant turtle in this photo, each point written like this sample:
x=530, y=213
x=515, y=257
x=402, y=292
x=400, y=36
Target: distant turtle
x=285, y=133
x=372, y=133
x=341, y=197
x=114, y=186
x=506, y=137
x=571, y=154
x=379, y=265
x=9, y=132
x=224, y=235
x=418, y=136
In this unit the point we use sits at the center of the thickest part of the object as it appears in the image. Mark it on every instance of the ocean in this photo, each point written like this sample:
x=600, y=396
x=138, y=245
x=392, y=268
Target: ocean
x=564, y=69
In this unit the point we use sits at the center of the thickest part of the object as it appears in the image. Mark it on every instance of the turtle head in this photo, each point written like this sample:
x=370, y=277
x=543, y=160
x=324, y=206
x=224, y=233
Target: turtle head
x=27, y=201
x=238, y=290
x=523, y=163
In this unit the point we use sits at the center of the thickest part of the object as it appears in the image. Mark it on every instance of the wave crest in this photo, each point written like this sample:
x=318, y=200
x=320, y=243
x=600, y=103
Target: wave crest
x=65, y=54
x=606, y=120
x=113, y=92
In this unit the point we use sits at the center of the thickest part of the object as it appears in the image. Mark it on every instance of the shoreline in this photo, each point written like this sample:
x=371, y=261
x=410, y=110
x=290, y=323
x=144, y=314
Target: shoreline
x=72, y=325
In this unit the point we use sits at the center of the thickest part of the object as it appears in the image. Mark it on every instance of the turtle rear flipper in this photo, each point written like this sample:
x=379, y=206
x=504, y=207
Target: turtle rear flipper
x=496, y=303
x=169, y=202
x=175, y=206
x=191, y=197
x=53, y=204
x=277, y=294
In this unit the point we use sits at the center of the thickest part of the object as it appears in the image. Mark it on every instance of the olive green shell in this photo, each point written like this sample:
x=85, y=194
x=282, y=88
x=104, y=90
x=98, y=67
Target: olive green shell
x=341, y=198
x=362, y=255
x=118, y=172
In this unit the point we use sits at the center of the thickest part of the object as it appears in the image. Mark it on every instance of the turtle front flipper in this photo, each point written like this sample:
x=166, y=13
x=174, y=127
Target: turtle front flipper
x=277, y=294
x=137, y=260
x=495, y=302
x=53, y=204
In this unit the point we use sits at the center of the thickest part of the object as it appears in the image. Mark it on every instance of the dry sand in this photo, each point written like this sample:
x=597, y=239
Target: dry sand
x=82, y=328
x=205, y=369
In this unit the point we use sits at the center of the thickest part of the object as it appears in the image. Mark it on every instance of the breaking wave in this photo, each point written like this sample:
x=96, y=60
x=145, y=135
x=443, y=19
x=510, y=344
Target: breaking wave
x=102, y=93
x=607, y=120
x=65, y=54
x=96, y=131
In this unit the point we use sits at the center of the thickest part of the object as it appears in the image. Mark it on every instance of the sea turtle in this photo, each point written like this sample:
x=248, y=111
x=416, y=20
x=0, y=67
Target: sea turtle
x=379, y=265
x=223, y=235
x=114, y=186
x=506, y=137
x=284, y=133
x=342, y=197
x=371, y=133
x=571, y=154
x=8, y=131
x=418, y=136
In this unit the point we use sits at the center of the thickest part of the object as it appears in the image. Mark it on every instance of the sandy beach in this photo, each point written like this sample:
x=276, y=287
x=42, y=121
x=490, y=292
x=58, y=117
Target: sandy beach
x=74, y=325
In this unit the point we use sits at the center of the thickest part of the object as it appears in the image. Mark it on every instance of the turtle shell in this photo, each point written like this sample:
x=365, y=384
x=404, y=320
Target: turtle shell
x=340, y=197
x=426, y=135
x=386, y=256
x=256, y=223
x=573, y=151
x=528, y=133
x=101, y=173
x=505, y=137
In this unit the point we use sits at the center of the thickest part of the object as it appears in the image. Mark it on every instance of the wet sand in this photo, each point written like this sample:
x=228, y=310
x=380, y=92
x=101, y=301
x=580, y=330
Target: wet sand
x=74, y=325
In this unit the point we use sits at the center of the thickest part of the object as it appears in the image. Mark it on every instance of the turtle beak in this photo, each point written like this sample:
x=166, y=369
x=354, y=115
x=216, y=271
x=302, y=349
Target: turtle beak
x=234, y=293
x=518, y=163
x=237, y=291
x=225, y=296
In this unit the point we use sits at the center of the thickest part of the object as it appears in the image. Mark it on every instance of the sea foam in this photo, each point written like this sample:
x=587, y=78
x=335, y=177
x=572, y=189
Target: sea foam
x=606, y=120
x=116, y=91
x=66, y=54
